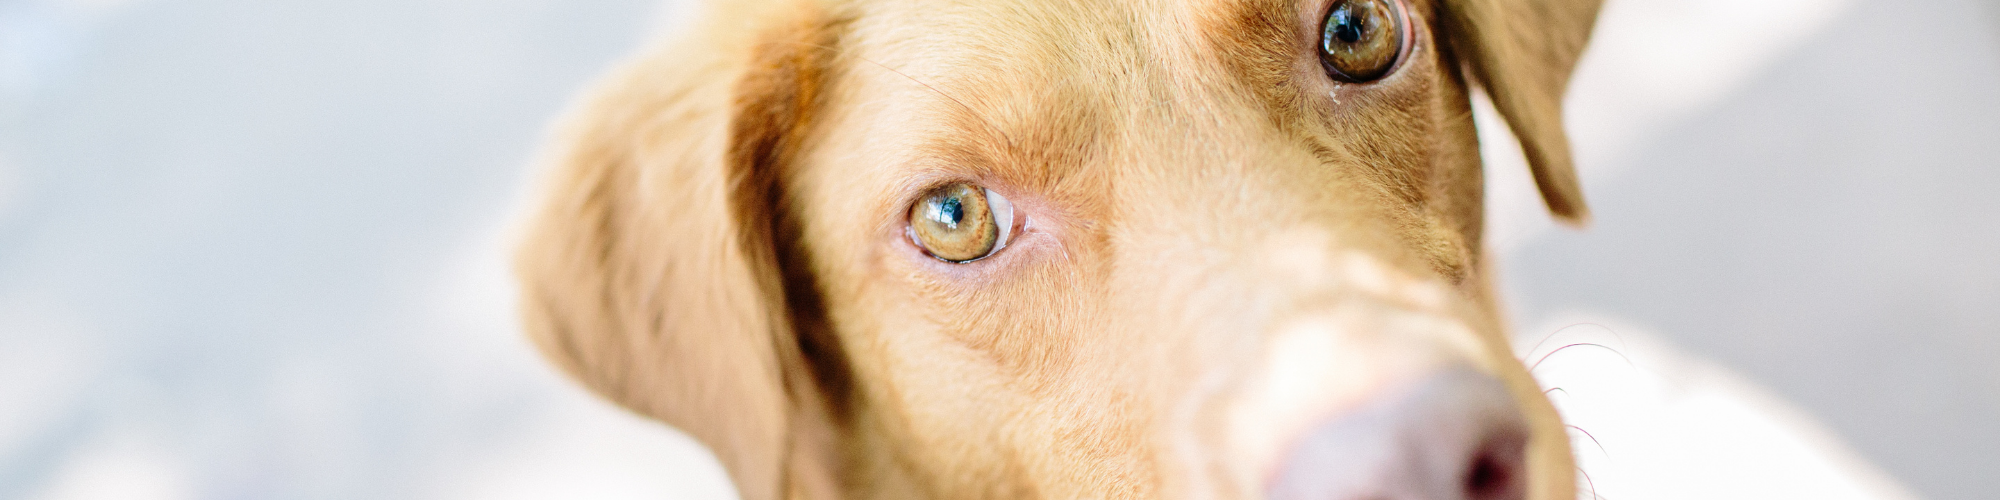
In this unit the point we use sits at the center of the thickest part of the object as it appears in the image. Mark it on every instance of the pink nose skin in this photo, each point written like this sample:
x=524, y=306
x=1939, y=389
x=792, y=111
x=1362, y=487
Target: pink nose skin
x=1455, y=435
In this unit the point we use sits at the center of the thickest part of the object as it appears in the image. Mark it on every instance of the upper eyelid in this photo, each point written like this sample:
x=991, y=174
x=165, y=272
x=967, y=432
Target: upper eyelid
x=914, y=188
x=915, y=185
x=898, y=199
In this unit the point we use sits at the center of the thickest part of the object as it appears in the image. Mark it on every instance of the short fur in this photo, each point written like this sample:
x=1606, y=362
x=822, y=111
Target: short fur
x=721, y=245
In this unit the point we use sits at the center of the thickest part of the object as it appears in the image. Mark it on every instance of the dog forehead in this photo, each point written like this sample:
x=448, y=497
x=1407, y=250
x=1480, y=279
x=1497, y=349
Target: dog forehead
x=1047, y=87
x=1117, y=45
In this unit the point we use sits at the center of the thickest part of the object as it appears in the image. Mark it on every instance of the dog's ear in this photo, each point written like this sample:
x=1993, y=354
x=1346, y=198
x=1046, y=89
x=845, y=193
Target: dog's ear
x=1523, y=51
x=650, y=273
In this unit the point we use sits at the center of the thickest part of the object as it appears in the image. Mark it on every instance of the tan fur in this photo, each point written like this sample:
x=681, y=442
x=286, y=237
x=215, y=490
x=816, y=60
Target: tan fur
x=722, y=247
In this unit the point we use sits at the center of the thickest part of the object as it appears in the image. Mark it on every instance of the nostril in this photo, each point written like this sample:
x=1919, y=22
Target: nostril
x=1454, y=435
x=1495, y=471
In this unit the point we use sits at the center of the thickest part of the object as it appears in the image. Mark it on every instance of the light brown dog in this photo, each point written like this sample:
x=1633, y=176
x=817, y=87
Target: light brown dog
x=1065, y=249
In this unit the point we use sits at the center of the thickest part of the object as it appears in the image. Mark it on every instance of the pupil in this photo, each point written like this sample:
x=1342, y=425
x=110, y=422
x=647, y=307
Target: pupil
x=950, y=212
x=1346, y=25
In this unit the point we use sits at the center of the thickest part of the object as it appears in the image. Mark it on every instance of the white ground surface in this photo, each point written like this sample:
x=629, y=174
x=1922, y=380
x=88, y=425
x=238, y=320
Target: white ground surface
x=255, y=250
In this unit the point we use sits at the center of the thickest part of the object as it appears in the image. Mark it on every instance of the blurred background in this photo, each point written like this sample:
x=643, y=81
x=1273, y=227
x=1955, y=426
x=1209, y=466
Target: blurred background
x=257, y=250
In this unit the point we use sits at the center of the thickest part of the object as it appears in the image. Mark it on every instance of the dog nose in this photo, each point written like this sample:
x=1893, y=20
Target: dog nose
x=1455, y=435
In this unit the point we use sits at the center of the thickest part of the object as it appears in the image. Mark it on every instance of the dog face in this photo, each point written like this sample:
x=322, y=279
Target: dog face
x=1208, y=248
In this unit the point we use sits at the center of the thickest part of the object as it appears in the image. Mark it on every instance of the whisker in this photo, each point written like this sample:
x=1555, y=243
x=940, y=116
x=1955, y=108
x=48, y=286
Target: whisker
x=1588, y=481
x=1607, y=329
x=1593, y=440
x=1545, y=357
x=1550, y=335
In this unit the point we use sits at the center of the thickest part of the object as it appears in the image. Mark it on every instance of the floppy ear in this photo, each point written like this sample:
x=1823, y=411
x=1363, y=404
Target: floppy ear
x=650, y=273
x=1523, y=51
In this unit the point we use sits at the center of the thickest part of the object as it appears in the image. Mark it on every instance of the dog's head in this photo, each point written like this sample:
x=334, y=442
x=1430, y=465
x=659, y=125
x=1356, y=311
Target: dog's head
x=1201, y=248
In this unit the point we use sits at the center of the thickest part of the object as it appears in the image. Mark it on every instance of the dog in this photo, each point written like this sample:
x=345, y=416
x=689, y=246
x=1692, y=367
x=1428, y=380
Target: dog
x=1064, y=249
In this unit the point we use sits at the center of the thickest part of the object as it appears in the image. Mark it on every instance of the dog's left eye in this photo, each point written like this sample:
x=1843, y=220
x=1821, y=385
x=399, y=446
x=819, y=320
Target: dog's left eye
x=1361, y=39
x=961, y=223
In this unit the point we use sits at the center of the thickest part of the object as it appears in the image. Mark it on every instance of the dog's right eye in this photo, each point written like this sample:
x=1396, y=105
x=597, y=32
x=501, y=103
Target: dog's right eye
x=1361, y=39
x=961, y=223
